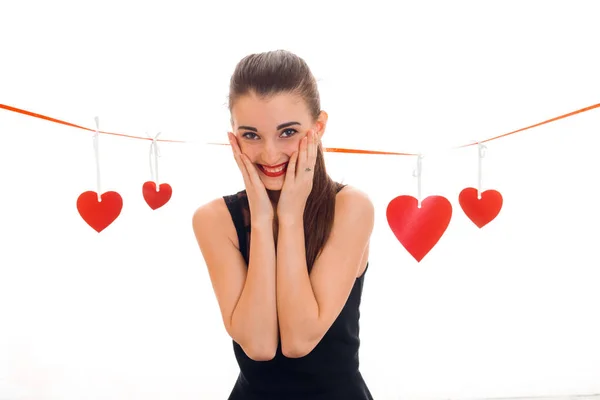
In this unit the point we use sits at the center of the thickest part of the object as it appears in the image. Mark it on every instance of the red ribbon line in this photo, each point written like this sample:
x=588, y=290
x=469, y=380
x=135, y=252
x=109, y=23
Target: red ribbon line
x=328, y=149
x=58, y=121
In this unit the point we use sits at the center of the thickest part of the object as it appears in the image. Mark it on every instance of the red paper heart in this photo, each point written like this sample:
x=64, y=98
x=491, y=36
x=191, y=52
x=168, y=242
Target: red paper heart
x=419, y=229
x=480, y=211
x=156, y=199
x=99, y=214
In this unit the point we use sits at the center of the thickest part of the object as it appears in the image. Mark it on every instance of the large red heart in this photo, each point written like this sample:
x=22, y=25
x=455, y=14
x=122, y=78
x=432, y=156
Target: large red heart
x=419, y=229
x=156, y=199
x=99, y=214
x=480, y=211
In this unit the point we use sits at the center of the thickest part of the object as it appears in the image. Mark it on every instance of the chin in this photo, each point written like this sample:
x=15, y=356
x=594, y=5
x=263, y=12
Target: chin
x=273, y=184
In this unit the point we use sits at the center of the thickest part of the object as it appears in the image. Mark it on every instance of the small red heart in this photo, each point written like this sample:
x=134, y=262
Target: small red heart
x=99, y=214
x=480, y=211
x=419, y=229
x=156, y=199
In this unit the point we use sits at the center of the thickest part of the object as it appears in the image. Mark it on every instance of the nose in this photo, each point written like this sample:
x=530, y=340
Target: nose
x=271, y=154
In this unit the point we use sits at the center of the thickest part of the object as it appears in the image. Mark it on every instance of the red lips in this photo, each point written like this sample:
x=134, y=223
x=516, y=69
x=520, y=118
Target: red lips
x=273, y=174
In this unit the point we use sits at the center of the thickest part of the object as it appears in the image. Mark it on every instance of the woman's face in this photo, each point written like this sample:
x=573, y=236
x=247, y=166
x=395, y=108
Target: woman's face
x=269, y=131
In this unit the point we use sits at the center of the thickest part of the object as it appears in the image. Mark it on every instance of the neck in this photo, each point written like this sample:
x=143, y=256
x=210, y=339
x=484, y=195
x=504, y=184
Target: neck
x=274, y=196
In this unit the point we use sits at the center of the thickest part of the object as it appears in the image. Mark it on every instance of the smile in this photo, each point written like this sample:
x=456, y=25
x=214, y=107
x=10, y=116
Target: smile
x=274, y=171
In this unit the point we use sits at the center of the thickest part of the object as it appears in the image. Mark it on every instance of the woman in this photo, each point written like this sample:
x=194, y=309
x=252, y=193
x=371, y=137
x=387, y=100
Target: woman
x=287, y=255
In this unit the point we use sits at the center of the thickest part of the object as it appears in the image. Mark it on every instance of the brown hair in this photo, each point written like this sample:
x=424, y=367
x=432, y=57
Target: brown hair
x=281, y=71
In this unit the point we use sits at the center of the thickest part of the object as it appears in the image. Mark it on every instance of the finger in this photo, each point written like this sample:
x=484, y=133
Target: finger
x=236, y=144
x=312, y=149
x=290, y=174
x=234, y=149
x=248, y=169
x=301, y=160
x=252, y=171
x=237, y=154
x=309, y=146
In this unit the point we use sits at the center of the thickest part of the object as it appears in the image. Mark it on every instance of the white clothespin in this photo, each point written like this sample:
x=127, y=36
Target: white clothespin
x=480, y=154
x=154, y=153
x=97, y=156
x=417, y=172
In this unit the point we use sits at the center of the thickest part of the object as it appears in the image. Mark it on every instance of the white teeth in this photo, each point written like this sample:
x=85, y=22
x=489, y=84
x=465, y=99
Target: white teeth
x=274, y=170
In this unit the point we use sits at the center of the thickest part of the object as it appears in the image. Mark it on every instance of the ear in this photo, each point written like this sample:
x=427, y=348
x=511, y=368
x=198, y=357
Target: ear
x=321, y=124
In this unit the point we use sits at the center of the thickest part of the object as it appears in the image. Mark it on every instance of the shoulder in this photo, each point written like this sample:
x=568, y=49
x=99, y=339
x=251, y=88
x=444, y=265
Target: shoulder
x=209, y=210
x=353, y=205
x=350, y=196
x=218, y=208
x=213, y=218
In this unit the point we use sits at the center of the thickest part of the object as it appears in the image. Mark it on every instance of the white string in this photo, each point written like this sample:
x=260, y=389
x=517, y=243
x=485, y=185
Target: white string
x=154, y=151
x=97, y=156
x=480, y=153
x=417, y=173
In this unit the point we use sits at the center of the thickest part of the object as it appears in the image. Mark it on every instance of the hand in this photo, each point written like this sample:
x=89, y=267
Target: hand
x=298, y=179
x=258, y=199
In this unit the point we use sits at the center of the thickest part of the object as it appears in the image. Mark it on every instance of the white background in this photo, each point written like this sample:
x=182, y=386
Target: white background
x=508, y=310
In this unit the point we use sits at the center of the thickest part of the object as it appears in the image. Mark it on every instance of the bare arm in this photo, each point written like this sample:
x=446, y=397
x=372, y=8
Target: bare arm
x=308, y=305
x=246, y=294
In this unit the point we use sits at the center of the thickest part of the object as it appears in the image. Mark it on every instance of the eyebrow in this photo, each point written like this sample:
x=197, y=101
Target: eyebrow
x=280, y=126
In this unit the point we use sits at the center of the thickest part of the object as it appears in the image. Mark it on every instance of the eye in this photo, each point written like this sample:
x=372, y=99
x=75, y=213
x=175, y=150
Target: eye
x=249, y=135
x=290, y=132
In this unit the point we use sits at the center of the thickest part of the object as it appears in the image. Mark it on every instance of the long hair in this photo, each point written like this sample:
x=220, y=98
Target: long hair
x=281, y=71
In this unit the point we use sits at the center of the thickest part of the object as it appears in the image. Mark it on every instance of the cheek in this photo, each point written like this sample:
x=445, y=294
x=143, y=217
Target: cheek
x=249, y=150
x=292, y=147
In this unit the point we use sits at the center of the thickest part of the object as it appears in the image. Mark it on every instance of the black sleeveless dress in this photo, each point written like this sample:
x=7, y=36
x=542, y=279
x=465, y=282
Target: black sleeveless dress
x=329, y=372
